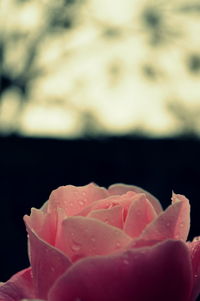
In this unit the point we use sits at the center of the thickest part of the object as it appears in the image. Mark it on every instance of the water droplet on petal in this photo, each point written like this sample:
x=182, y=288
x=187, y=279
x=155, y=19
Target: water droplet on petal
x=125, y=261
x=118, y=245
x=93, y=239
x=75, y=247
x=81, y=203
x=167, y=224
x=181, y=225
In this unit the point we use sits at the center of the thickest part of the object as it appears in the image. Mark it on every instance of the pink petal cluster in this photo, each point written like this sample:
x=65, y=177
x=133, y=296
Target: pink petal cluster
x=94, y=244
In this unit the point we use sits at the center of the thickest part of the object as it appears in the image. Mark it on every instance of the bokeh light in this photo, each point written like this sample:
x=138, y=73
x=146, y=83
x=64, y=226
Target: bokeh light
x=73, y=68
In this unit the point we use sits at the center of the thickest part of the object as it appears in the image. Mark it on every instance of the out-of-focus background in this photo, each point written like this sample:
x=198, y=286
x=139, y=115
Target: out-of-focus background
x=96, y=90
x=73, y=68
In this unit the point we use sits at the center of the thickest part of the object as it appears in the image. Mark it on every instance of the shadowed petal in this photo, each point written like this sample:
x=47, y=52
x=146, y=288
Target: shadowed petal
x=18, y=287
x=47, y=262
x=156, y=273
x=194, y=248
x=80, y=237
x=139, y=243
x=123, y=188
x=32, y=300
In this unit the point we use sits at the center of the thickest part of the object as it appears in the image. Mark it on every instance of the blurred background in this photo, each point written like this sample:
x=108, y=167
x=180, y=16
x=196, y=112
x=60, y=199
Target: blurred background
x=96, y=90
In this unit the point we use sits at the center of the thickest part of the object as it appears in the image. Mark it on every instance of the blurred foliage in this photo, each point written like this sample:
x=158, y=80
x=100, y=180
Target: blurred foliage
x=41, y=39
x=193, y=63
x=188, y=122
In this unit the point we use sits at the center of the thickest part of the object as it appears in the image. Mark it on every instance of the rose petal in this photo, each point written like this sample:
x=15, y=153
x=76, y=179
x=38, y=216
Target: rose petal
x=156, y=273
x=80, y=237
x=106, y=203
x=194, y=248
x=123, y=188
x=73, y=199
x=112, y=216
x=140, y=214
x=47, y=262
x=44, y=224
x=18, y=287
x=174, y=222
x=139, y=243
x=109, y=202
x=32, y=300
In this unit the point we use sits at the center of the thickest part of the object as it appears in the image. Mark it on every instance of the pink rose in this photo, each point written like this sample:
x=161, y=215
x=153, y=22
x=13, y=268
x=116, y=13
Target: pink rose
x=94, y=244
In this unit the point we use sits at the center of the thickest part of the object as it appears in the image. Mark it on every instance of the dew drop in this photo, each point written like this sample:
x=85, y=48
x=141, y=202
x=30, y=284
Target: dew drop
x=81, y=203
x=125, y=261
x=93, y=239
x=181, y=225
x=75, y=247
x=118, y=245
x=167, y=224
